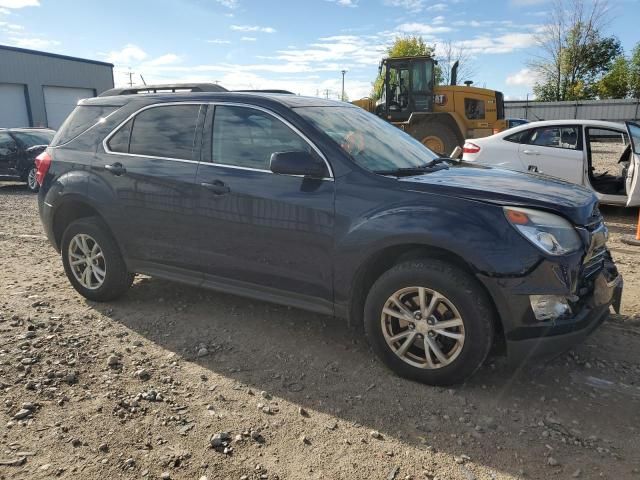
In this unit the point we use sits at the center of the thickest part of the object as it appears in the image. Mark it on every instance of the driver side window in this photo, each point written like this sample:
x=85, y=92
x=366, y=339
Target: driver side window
x=8, y=145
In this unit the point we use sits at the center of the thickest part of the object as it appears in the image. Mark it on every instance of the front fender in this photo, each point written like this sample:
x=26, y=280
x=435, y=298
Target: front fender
x=474, y=231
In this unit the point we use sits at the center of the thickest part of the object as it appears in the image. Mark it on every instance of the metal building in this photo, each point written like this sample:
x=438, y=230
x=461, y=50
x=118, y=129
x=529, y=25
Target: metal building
x=39, y=89
x=611, y=110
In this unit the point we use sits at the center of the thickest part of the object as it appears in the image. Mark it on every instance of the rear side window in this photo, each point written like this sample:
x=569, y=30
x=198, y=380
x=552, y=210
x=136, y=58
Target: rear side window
x=245, y=137
x=555, y=137
x=119, y=142
x=520, y=137
x=167, y=131
x=81, y=119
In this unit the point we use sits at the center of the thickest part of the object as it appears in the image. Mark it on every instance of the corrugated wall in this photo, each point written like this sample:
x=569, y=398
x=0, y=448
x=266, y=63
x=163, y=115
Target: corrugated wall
x=35, y=70
x=611, y=110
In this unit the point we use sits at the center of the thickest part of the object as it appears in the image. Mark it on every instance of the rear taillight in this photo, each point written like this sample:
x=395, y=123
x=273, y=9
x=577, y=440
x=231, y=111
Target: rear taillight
x=43, y=162
x=470, y=148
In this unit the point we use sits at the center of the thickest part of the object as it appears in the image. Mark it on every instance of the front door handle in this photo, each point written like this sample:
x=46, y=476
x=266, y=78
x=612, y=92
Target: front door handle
x=217, y=187
x=531, y=152
x=116, y=168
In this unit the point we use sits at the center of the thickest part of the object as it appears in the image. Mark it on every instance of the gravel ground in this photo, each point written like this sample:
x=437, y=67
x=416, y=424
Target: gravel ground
x=181, y=383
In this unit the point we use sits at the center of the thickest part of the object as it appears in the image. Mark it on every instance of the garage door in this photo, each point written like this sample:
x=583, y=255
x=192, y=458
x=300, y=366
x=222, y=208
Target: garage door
x=13, y=106
x=60, y=101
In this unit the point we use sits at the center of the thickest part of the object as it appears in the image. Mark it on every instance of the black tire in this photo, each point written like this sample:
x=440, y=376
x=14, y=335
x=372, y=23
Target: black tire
x=433, y=128
x=117, y=279
x=29, y=177
x=462, y=290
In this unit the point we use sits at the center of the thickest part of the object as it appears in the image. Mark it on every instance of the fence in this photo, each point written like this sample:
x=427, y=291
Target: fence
x=611, y=110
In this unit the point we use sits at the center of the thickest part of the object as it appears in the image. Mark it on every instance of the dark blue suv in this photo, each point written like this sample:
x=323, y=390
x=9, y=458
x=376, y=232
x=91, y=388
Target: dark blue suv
x=323, y=206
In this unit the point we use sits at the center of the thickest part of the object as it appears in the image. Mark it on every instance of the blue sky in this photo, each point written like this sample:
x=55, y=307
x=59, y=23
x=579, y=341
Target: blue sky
x=296, y=45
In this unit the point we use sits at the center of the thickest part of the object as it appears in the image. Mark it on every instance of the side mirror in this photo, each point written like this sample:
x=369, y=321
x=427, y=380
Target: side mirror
x=297, y=163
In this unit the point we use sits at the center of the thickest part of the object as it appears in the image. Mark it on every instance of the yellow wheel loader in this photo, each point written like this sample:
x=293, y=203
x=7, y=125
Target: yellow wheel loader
x=442, y=116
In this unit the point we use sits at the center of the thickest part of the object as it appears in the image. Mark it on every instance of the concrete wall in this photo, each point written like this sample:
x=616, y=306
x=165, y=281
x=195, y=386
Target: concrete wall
x=39, y=69
x=611, y=110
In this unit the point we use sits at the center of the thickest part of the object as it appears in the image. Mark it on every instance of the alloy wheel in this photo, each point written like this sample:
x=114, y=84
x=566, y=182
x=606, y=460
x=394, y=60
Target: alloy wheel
x=86, y=260
x=31, y=179
x=422, y=327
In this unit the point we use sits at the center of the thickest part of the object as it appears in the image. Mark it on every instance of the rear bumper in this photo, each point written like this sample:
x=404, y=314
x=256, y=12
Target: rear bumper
x=526, y=338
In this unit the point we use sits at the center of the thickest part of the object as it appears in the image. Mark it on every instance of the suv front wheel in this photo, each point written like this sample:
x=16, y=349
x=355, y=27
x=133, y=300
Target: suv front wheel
x=429, y=321
x=92, y=261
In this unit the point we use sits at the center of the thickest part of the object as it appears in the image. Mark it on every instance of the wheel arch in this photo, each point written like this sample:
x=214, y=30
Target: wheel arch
x=71, y=209
x=383, y=260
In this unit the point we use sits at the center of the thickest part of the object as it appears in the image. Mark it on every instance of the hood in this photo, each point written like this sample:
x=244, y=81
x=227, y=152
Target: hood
x=507, y=187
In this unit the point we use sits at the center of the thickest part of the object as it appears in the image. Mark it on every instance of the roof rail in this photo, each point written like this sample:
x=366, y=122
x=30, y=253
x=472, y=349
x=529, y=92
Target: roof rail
x=165, y=88
x=286, y=92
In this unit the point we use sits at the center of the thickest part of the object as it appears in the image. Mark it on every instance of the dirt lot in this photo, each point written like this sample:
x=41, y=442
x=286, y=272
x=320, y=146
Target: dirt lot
x=137, y=388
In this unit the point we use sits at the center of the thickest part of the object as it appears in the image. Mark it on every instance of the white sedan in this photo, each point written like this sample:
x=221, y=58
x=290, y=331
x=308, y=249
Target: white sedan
x=604, y=156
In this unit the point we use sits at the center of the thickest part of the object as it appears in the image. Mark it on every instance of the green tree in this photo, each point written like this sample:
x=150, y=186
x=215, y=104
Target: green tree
x=634, y=72
x=575, y=55
x=409, y=46
x=616, y=83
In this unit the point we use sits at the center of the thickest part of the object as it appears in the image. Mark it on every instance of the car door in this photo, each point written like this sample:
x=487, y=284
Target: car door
x=632, y=182
x=9, y=154
x=150, y=163
x=263, y=234
x=556, y=151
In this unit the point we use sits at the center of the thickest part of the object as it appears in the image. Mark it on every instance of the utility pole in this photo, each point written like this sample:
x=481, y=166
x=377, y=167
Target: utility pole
x=326, y=93
x=343, y=72
x=130, y=73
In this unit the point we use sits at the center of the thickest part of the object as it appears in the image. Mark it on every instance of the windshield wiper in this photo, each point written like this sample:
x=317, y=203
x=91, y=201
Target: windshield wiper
x=432, y=166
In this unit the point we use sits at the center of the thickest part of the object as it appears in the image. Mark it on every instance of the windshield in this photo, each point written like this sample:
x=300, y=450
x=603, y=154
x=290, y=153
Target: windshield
x=31, y=139
x=371, y=142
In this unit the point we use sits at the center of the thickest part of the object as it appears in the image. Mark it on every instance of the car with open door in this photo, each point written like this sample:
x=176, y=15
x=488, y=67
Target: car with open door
x=19, y=148
x=598, y=155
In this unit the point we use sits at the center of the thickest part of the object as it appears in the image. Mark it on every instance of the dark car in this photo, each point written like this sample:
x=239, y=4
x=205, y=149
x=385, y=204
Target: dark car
x=323, y=206
x=18, y=149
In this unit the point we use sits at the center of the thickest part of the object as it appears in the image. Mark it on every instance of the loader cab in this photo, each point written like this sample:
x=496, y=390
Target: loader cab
x=408, y=87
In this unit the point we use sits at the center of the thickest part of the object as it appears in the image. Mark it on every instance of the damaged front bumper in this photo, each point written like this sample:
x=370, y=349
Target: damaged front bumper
x=588, y=285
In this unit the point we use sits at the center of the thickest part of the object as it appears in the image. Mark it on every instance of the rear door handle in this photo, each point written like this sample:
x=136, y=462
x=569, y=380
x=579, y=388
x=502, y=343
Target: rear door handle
x=531, y=152
x=116, y=168
x=217, y=187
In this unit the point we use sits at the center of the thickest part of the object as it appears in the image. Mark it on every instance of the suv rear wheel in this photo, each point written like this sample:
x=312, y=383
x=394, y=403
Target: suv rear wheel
x=429, y=321
x=92, y=261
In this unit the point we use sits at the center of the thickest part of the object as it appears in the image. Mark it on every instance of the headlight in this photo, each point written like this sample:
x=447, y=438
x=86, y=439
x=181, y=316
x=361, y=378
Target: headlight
x=550, y=233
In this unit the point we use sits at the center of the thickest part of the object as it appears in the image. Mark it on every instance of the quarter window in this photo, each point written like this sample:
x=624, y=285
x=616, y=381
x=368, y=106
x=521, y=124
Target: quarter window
x=245, y=137
x=167, y=131
x=119, y=142
x=474, y=109
x=555, y=137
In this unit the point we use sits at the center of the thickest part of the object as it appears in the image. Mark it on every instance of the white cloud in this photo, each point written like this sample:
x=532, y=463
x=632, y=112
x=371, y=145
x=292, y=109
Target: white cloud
x=345, y=3
x=411, y=5
x=438, y=7
x=5, y=11
x=506, y=43
x=33, y=43
x=10, y=26
x=228, y=3
x=422, y=29
x=523, y=78
x=439, y=20
x=167, y=59
x=252, y=28
x=19, y=3
x=248, y=39
x=219, y=41
x=129, y=54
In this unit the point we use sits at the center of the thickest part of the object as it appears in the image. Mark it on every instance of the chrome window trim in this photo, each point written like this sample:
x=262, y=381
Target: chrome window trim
x=108, y=151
